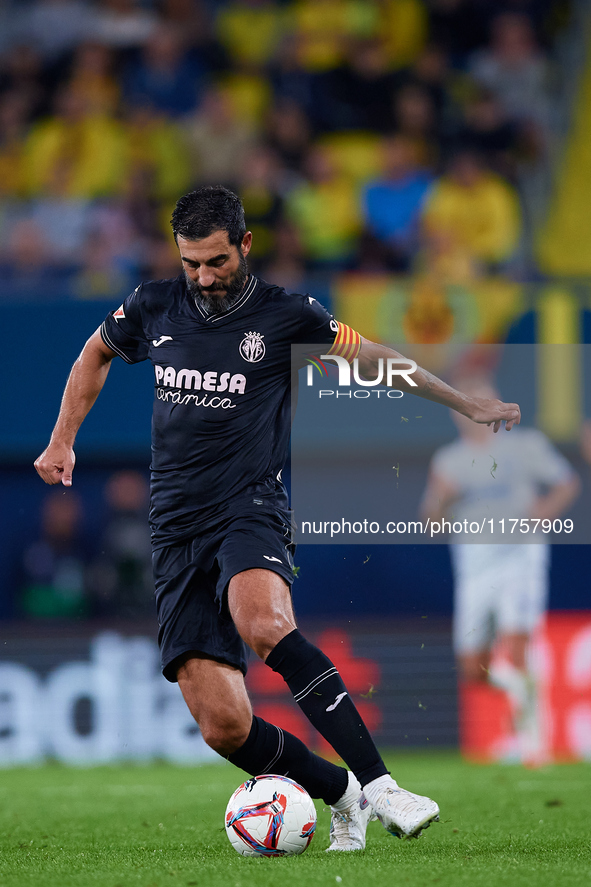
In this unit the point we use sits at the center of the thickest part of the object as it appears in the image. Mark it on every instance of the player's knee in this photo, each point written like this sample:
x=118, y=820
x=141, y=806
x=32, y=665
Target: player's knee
x=474, y=675
x=264, y=631
x=515, y=648
x=263, y=635
x=224, y=733
x=473, y=669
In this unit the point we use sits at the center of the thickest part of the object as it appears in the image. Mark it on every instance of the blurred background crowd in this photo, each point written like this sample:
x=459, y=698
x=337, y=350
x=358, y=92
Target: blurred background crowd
x=381, y=136
x=421, y=166
x=67, y=572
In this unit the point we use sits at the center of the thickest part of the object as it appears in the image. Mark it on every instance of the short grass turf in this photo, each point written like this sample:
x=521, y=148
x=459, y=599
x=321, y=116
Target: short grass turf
x=162, y=826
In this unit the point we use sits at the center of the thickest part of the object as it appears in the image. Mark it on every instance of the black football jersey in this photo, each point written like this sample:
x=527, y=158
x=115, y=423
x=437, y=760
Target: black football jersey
x=222, y=382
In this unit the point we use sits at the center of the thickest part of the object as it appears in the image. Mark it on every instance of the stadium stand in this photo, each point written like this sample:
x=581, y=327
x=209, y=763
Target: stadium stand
x=339, y=122
x=94, y=95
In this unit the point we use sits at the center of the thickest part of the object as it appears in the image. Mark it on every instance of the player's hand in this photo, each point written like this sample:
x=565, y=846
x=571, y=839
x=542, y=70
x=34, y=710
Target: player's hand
x=494, y=412
x=56, y=464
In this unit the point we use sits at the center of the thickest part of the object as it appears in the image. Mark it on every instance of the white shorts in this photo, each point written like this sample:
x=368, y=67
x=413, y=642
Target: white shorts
x=498, y=589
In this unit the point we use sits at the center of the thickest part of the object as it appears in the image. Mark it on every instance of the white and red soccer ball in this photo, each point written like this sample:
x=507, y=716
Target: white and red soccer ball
x=270, y=816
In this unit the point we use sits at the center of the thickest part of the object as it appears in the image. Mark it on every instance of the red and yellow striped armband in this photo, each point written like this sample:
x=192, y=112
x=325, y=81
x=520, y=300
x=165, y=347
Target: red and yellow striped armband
x=347, y=342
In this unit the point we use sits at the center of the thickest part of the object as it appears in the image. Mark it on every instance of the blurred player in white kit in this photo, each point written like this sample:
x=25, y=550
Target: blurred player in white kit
x=500, y=590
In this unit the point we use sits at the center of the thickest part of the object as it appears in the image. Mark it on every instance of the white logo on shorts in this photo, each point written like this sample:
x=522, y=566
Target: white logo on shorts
x=276, y=559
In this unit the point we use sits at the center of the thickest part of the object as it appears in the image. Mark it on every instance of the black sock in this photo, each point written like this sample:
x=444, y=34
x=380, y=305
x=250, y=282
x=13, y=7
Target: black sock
x=319, y=691
x=270, y=749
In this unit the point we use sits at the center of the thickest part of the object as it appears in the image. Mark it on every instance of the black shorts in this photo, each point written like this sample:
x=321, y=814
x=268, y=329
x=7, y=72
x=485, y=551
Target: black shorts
x=192, y=577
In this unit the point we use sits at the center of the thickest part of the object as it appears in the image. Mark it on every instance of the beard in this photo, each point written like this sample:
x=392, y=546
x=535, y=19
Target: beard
x=213, y=303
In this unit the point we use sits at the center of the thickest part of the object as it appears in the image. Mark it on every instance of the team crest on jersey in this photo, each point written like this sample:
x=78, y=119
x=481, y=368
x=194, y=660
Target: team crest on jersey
x=119, y=313
x=252, y=347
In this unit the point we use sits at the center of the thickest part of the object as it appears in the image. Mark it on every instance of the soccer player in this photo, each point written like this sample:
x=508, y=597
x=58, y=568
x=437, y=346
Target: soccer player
x=220, y=343
x=500, y=590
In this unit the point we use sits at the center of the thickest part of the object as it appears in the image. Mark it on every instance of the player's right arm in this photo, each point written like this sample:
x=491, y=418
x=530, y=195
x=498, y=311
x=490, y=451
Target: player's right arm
x=371, y=356
x=438, y=497
x=482, y=410
x=88, y=375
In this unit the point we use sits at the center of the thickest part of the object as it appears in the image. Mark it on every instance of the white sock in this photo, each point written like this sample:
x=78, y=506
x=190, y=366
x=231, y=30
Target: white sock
x=374, y=789
x=520, y=687
x=513, y=681
x=351, y=794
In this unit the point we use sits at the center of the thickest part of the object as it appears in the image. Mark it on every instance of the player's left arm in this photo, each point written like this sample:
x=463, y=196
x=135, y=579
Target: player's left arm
x=552, y=472
x=557, y=500
x=485, y=411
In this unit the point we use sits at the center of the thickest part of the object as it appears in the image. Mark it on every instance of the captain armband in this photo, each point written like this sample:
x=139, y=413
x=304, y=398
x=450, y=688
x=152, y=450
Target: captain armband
x=347, y=343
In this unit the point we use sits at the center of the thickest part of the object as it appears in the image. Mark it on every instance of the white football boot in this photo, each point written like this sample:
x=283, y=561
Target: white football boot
x=349, y=822
x=402, y=813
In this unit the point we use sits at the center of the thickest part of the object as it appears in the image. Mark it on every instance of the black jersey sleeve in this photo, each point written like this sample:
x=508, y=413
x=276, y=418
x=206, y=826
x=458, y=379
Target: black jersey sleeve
x=318, y=326
x=123, y=330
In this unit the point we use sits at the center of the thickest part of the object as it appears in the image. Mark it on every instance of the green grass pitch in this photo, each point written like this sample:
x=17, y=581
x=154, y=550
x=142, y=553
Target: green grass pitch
x=162, y=826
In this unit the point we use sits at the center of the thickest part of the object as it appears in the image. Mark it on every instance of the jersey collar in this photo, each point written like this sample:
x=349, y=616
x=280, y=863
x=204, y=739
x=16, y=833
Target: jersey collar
x=249, y=289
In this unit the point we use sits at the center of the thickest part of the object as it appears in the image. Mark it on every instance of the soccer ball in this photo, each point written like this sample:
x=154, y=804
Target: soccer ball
x=270, y=816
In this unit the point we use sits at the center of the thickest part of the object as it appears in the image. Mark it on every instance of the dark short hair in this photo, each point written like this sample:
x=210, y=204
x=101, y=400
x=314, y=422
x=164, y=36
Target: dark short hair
x=213, y=208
